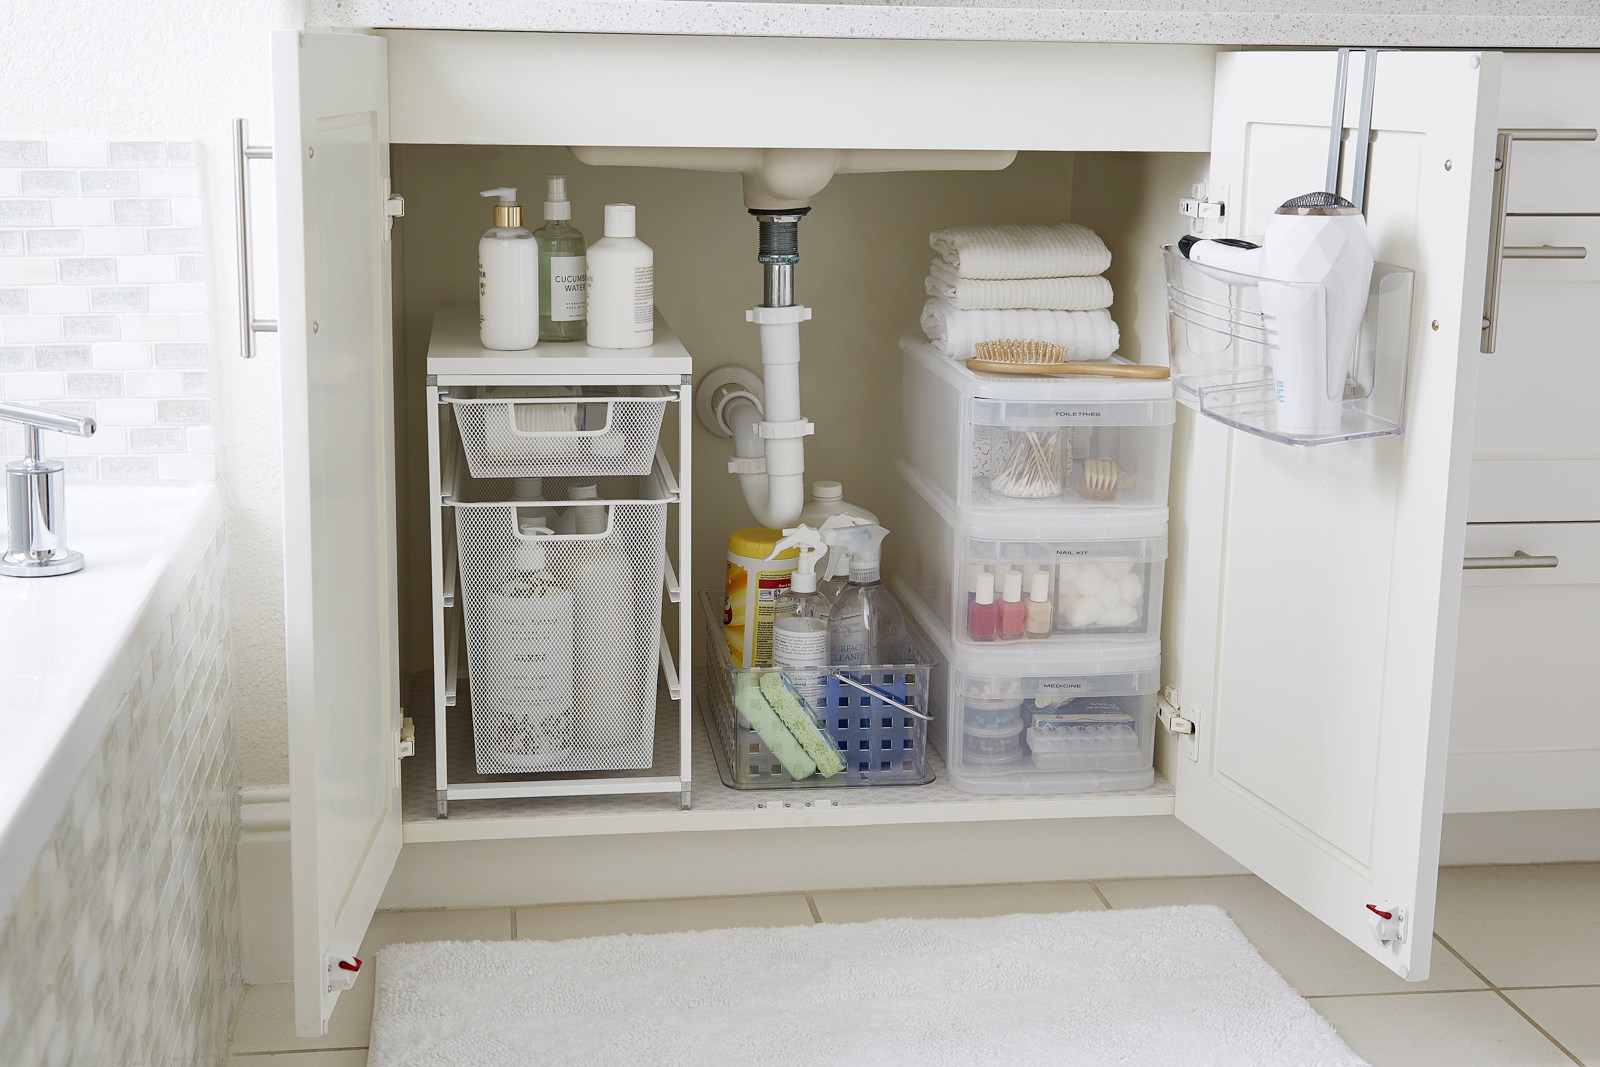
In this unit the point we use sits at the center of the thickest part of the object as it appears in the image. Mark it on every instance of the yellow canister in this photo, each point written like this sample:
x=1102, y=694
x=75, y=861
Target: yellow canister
x=754, y=584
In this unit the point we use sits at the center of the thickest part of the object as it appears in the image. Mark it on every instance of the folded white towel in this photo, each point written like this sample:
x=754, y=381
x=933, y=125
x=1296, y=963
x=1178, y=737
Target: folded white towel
x=1086, y=334
x=1047, y=294
x=1041, y=250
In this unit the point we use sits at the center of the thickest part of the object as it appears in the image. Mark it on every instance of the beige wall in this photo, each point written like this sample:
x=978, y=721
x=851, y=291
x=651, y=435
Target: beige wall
x=864, y=252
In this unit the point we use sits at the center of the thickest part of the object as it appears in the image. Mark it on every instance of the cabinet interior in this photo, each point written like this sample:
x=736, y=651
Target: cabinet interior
x=864, y=253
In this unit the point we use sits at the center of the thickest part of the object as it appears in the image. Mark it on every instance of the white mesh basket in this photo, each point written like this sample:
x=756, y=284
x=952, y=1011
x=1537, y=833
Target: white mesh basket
x=548, y=436
x=546, y=694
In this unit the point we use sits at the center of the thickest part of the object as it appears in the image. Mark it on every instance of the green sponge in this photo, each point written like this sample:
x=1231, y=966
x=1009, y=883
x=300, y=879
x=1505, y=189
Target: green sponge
x=748, y=699
x=801, y=725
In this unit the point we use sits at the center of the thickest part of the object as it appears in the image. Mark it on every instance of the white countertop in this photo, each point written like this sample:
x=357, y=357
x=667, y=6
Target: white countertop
x=1409, y=23
x=68, y=644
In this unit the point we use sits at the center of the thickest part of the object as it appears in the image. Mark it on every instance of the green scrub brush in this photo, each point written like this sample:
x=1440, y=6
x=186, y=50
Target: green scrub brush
x=801, y=725
x=753, y=706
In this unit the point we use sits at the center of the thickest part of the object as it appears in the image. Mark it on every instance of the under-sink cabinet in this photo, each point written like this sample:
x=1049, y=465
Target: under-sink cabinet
x=1312, y=594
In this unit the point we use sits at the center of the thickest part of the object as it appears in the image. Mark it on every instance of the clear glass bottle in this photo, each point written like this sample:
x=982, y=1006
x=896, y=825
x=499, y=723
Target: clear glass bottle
x=563, y=268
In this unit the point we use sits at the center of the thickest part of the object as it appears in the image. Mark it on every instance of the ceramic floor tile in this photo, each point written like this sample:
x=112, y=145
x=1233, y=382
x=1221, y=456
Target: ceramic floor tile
x=1311, y=957
x=1439, y=1030
x=954, y=902
x=356, y=1057
x=1524, y=926
x=266, y=1018
x=1571, y=1016
x=559, y=922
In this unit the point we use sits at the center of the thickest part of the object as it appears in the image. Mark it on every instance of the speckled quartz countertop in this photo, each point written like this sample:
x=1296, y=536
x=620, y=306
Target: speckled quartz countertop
x=1410, y=23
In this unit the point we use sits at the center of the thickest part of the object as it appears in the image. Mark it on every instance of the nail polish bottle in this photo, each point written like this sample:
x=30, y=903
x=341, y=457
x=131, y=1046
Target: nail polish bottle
x=1012, y=610
x=982, y=611
x=1040, y=620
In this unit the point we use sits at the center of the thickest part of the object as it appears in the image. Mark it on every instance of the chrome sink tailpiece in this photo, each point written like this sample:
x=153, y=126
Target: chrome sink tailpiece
x=36, y=498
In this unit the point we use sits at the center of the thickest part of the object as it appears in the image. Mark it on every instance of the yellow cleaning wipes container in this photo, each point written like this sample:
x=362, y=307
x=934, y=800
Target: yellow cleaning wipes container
x=754, y=583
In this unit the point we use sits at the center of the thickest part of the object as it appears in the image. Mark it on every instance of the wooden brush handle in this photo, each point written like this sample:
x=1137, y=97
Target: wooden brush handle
x=1112, y=370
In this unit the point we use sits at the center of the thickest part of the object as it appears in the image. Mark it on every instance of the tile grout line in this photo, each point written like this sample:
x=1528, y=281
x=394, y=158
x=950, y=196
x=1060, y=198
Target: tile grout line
x=298, y=1051
x=816, y=916
x=1102, y=896
x=513, y=923
x=1501, y=994
x=1390, y=993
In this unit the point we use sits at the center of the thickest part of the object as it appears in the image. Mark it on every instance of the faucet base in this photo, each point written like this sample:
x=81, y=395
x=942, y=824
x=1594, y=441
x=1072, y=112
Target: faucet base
x=57, y=564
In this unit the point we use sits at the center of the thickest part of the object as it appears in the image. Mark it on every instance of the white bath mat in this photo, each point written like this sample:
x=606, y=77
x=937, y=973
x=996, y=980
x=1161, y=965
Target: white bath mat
x=1154, y=987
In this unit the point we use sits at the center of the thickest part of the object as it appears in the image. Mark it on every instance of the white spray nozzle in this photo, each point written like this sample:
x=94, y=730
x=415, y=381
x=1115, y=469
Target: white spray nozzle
x=507, y=195
x=556, y=205
x=809, y=542
x=863, y=541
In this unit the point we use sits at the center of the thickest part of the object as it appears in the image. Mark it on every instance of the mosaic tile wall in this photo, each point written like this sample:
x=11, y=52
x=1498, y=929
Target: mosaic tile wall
x=123, y=948
x=103, y=303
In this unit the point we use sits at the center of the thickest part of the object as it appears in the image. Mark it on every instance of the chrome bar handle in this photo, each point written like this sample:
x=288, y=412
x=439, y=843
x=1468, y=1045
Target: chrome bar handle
x=1498, y=252
x=1544, y=252
x=243, y=152
x=1517, y=561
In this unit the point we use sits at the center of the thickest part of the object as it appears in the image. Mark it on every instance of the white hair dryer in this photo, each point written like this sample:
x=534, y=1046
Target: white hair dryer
x=1314, y=269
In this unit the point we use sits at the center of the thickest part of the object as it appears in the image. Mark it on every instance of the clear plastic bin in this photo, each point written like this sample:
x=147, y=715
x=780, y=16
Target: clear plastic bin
x=1104, y=570
x=1004, y=442
x=1086, y=720
x=532, y=432
x=877, y=724
x=564, y=680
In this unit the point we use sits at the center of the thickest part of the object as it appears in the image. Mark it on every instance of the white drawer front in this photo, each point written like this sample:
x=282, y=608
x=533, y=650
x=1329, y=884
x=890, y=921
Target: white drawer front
x=1536, y=438
x=1525, y=726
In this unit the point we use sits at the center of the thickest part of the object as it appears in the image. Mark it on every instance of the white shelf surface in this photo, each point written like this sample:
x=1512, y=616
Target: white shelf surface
x=454, y=352
x=716, y=807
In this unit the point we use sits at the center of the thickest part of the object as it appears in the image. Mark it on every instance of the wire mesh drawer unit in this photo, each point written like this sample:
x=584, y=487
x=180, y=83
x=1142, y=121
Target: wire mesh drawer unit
x=871, y=717
x=572, y=432
x=563, y=635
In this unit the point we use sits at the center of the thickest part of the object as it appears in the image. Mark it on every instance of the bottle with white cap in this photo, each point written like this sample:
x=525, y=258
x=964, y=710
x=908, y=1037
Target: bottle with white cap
x=1012, y=610
x=508, y=278
x=827, y=498
x=621, y=293
x=563, y=268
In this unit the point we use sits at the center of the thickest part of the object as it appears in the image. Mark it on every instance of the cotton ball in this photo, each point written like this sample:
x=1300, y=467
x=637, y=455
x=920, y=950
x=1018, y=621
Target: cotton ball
x=1121, y=615
x=1089, y=579
x=1068, y=571
x=1084, y=612
x=1117, y=569
x=1132, y=588
x=1109, y=594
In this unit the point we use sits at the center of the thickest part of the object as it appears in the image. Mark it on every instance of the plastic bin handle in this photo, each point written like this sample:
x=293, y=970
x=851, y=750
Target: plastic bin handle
x=880, y=694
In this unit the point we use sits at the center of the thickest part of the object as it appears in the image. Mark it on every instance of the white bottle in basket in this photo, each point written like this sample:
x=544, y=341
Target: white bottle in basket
x=508, y=279
x=528, y=688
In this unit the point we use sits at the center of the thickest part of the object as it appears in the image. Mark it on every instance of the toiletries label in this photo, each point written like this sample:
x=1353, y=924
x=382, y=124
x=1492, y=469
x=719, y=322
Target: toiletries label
x=799, y=642
x=644, y=298
x=569, y=288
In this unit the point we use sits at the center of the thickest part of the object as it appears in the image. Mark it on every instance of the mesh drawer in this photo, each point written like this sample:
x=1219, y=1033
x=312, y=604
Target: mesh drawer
x=532, y=437
x=550, y=694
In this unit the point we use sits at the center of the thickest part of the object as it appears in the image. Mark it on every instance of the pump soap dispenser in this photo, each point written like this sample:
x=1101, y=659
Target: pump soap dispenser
x=508, y=279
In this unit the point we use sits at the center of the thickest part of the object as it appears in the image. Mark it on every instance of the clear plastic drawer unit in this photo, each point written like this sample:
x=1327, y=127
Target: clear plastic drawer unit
x=1100, y=572
x=1042, y=720
x=1004, y=442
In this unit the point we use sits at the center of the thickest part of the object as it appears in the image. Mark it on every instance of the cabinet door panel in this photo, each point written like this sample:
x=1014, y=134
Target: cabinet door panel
x=1314, y=632
x=331, y=157
x=1525, y=727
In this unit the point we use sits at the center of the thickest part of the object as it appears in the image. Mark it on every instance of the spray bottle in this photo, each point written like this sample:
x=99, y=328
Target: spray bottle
x=836, y=575
x=865, y=625
x=800, y=629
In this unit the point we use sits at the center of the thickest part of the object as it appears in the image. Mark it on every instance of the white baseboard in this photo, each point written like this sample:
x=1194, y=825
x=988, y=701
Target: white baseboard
x=267, y=921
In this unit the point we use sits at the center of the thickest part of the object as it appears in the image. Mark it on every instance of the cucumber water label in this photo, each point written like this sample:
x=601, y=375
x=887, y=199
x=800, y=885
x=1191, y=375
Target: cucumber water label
x=569, y=288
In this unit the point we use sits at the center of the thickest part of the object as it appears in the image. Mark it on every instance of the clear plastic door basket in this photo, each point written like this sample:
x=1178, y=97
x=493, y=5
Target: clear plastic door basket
x=1255, y=354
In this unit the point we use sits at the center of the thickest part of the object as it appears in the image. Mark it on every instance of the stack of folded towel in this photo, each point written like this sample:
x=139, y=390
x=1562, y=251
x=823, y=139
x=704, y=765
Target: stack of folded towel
x=1038, y=282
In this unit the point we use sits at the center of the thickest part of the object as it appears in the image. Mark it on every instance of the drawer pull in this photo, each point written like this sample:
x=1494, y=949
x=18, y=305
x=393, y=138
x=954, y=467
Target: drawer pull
x=1497, y=227
x=1517, y=561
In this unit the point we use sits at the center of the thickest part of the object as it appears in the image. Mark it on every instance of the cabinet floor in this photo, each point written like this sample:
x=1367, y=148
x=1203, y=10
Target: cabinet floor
x=1515, y=976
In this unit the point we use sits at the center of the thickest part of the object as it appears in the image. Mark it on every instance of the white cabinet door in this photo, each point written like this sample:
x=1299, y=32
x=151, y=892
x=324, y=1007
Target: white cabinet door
x=331, y=148
x=1313, y=628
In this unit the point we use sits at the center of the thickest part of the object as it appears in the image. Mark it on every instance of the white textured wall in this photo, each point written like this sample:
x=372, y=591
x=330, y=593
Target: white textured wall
x=182, y=70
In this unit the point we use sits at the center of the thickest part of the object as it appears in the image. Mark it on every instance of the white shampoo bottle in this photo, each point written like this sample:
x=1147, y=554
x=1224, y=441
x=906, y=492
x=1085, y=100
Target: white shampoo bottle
x=622, y=293
x=508, y=279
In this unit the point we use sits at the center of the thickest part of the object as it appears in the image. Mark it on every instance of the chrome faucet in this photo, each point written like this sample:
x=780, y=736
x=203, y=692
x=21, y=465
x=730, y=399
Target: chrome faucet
x=36, y=498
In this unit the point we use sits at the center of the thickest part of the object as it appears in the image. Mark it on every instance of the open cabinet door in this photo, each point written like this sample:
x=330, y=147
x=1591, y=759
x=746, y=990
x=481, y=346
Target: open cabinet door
x=331, y=148
x=1314, y=631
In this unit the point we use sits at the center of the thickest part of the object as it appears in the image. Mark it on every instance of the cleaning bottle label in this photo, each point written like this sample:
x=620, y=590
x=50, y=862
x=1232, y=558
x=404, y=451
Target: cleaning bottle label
x=569, y=288
x=752, y=607
x=799, y=642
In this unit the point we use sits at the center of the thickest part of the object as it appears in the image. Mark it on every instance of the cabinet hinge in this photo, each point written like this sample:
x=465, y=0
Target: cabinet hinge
x=1199, y=207
x=407, y=744
x=1168, y=710
x=394, y=206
